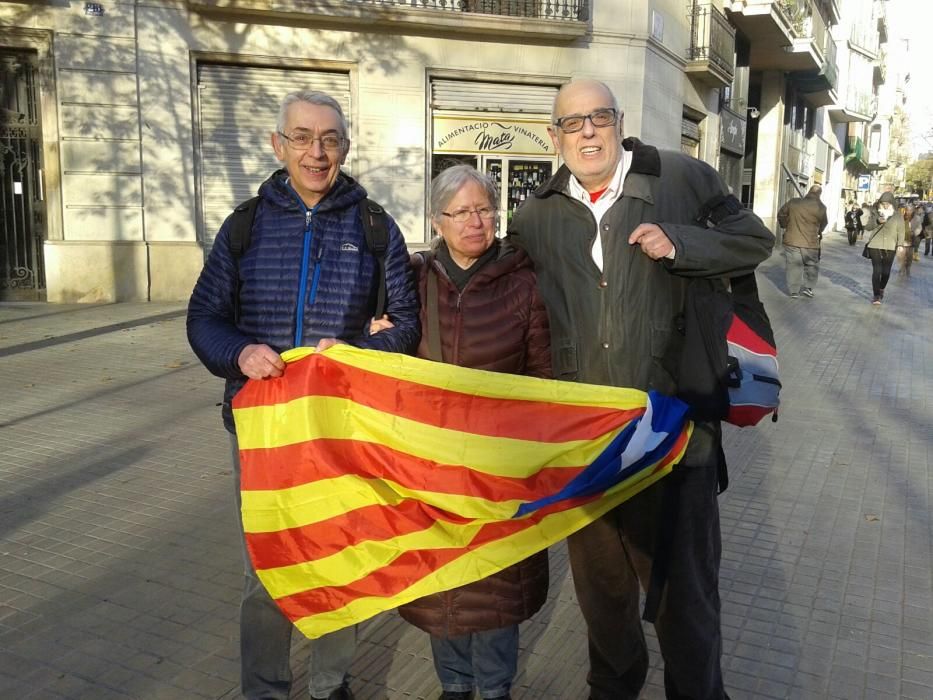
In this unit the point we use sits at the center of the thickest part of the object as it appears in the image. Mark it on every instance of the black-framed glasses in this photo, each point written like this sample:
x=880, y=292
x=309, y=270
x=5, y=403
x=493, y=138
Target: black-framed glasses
x=599, y=118
x=461, y=216
x=302, y=141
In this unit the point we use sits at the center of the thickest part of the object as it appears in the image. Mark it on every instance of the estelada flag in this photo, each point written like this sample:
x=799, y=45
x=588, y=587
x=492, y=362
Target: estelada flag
x=370, y=479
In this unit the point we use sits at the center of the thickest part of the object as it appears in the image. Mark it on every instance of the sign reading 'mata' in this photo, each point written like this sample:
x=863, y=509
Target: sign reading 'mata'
x=470, y=134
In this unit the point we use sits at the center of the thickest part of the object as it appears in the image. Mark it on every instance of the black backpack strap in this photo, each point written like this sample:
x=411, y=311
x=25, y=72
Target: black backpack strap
x=239, y=233
x=377, y=240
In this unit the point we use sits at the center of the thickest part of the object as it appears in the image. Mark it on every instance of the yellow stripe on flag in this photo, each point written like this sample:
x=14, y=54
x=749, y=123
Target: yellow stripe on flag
x=493, y=385
x=270, y=511
x=341, y=419
x=474, y=565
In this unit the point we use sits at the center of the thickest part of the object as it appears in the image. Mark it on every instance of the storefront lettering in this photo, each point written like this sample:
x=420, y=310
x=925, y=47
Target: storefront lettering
x=494, y=137
x=462, y=130
x=502, y=142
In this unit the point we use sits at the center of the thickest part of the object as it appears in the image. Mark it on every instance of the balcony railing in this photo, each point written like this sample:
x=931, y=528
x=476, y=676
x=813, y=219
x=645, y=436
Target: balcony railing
x=572, y=10
x=712, y=40
x=524, y=19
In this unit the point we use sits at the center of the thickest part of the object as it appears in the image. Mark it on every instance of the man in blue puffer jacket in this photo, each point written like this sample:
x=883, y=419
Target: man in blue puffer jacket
x=307, y=279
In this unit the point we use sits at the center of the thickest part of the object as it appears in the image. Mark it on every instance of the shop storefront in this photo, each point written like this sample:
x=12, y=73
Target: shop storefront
x=511, y=145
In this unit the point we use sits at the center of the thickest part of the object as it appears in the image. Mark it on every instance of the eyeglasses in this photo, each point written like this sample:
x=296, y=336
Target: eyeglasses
x=598, y=118
x=302, y=141
x=461, y=216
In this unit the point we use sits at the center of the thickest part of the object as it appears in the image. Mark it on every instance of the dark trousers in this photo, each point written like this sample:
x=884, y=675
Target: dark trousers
x=612, y=557
x=881, y=261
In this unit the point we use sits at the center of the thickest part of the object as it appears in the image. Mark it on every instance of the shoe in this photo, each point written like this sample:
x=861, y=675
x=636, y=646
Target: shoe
x=807, y=292
x=876, y=301
x=342, y=693
x=455, y=695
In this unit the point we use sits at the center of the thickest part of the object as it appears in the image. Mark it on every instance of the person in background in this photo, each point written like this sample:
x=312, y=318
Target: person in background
x=928, y=229
x=882, y=245
x=480, y=308
x=903, y=255
x=803, y=220
x=853, y=219
x=307, y=244
x=916, y=230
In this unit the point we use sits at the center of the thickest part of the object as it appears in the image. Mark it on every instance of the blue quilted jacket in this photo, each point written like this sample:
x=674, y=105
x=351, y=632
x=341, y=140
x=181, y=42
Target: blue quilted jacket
x=306, y=275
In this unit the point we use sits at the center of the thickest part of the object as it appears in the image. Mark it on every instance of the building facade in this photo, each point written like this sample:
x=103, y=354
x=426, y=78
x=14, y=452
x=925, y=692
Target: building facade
x=133, y=128
x=793, y=77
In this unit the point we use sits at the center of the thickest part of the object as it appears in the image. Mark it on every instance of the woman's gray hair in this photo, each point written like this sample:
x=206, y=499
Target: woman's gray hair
x=312, y=97
x=449, y=182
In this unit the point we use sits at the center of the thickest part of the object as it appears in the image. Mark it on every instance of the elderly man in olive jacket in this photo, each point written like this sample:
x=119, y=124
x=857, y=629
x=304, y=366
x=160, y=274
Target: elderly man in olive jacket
x=615, y=237
x=803, y=220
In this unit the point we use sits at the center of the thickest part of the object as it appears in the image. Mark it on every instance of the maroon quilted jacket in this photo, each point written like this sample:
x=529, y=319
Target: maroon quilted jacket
x=497, y=323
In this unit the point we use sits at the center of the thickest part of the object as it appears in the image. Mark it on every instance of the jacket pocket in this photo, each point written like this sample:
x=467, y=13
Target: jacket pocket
x=565, y=360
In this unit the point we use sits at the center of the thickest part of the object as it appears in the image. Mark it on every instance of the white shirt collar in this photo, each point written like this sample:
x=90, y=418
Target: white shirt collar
x=613, y=189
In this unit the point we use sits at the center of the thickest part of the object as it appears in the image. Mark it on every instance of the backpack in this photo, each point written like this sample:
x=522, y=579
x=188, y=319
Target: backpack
x=727, y=368
x=240, y=232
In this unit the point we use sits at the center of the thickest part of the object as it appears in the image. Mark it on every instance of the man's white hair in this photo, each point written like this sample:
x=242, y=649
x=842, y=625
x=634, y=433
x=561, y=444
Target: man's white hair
x=312, y=97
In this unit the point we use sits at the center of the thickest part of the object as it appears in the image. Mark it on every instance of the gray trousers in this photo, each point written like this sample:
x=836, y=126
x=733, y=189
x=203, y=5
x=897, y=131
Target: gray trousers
x=803, y=268
x=266, y=634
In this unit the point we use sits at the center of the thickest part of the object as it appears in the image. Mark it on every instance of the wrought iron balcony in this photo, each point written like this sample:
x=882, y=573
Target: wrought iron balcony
x=820, y=85
x=545, y=19
x=711, y=54
x=788, y=35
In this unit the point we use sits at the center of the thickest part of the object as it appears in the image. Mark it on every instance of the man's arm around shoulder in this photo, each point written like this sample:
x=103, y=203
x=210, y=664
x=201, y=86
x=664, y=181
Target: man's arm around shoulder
x=401, y=301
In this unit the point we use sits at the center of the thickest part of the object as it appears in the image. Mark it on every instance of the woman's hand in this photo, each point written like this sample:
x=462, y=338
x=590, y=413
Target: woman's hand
x=380, y=324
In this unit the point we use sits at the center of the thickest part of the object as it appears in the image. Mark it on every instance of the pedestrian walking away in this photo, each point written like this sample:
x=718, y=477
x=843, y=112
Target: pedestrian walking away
x=308, y=243
x=927, y=229
x=610, y=281
x=803, y=220
x=916, y=231
x=882, y=245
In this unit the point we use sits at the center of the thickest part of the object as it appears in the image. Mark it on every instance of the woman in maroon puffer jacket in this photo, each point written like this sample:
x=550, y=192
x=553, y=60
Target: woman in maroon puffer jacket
x=488, y=316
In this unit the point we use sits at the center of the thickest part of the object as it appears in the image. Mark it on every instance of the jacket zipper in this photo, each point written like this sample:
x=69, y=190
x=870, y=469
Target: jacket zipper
x=303, y=283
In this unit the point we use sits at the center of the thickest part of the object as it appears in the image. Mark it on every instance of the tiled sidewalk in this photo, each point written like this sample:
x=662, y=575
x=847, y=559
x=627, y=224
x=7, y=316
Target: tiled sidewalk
x=120, y=566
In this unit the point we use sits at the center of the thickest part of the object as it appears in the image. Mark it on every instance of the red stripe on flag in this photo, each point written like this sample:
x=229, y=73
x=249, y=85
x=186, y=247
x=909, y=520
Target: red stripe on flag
x=272, y=469
x=375, y=523
x=406, y=569
x=540, y=421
